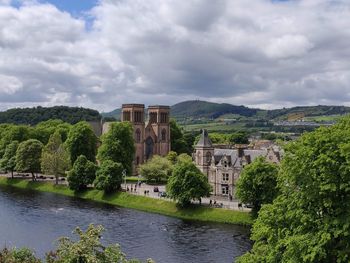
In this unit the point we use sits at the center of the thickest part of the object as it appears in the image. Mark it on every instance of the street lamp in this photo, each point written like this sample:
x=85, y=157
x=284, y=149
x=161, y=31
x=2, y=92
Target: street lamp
x=124, y=176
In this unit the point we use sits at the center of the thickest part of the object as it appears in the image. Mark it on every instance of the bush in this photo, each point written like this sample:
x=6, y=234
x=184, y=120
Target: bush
x=157, y=169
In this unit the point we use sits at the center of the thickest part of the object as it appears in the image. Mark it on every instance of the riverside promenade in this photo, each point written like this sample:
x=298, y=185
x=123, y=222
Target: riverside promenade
x=143, y=190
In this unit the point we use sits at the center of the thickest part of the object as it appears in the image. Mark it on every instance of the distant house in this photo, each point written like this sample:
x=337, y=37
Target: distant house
x=224, y=166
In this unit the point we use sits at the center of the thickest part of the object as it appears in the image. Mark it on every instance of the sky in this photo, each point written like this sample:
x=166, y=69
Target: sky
x=102, y=53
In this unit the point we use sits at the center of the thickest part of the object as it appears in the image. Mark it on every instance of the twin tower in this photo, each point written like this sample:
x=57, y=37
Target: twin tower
x=151, y=137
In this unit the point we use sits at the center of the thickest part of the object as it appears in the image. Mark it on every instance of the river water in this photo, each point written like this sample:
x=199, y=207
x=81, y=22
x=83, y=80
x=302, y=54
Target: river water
x=35, y=220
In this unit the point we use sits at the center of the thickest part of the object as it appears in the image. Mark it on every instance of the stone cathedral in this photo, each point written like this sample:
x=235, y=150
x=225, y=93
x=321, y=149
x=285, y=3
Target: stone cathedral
x=152, y=137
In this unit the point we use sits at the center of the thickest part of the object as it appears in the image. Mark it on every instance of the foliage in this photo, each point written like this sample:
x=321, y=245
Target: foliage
x=81, y=141
x=184, y=158
x=109, y=176
x=238, y=138
x=257, y=184
x=309, y=220
x=54, y=157
x=172, y=157
x=10, y=133
x=22, y=255
x=87, y=249
x=118, y=145
x=8, y=161
x=187, y=183
x=157, y=169
x=33, y=116
x=82, y=174
x=177, y=142
x=44, y=130
x=28, y=156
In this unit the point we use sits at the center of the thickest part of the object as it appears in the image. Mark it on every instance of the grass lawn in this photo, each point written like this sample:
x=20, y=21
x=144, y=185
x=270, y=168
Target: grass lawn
x=138, y=202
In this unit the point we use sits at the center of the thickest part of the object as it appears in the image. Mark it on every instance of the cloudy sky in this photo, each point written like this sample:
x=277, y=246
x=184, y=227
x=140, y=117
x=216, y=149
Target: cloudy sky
x=101, y=54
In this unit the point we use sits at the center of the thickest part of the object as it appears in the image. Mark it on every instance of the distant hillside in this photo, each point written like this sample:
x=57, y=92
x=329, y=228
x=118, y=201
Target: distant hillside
x=35, y=115
x=196, y=109
x=320, y=110
x=203, y=109
x=113, y=114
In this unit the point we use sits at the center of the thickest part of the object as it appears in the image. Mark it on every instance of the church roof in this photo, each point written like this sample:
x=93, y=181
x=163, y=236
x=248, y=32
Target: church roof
x=204, y=140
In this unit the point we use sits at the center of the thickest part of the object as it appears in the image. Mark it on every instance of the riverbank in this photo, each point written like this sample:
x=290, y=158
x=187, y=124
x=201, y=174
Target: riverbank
x=142, y=203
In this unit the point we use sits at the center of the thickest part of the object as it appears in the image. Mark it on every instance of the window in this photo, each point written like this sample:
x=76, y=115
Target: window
x=137, y=160
x=163, y=117
x=224, y=189
x=208, y=157
x=225, y=177
x=126, y=116
x=163, y=135
x=137, y=116
x=138, y=136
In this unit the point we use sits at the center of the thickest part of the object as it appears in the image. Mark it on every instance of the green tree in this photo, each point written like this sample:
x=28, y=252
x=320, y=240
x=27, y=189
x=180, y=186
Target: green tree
x=12, y=133
x=184, y=158
x=82, y=174
x=82, y=141
x=21, y=255
x=309, y=220
x=118, y=145
x=240, y=137
x=55, y=158
x=158, y=169
x=28, y=157
x=187, y=183
x=172, y=157
x=257, y=184
x=8, y=161
x=88, y=248
x=177, y=141
x=109, y=176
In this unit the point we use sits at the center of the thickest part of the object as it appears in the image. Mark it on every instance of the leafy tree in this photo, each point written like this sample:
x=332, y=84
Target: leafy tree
x=8, y=161
x=309, y=220
x=13, y=133
x=81, y=141
x=158, y=169
x=82, y=174
x=109, y=176
x=87, y=249
x=172, y=157
x=118, y=145
x=177, y=141
x=28, y=157
x=22, y=255
x=55, y=158
x=187, y=183
x=44, y=130
x=239, y=138
x=184, y=158
x=257, y=184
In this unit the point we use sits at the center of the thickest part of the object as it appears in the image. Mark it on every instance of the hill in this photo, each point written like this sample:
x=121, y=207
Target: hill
x=112, y=114
x=202, y=109
x=33, y=116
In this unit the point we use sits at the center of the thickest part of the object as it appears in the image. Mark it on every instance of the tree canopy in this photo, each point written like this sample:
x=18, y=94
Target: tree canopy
x=54, y=157
x=109, y=176
x=118, y=145
x=187, y=183
x=28, y=157
x=309, y=220
x=8, y=161
x=82, y=174
x=257, y=184
x=81, y=141
x=158, y=169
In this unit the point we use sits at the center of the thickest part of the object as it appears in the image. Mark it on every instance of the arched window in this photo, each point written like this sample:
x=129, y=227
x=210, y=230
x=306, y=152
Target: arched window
x=208, y=155
x=163, y=135
x=137, y=160
x=138, y=135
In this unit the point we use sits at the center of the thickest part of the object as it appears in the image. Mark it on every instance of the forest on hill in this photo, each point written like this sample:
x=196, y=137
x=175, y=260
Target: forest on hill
x=33, y=116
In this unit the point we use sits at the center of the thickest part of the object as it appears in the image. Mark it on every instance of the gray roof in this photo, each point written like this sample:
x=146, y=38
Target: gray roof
x=232, y=156
x=204, y=140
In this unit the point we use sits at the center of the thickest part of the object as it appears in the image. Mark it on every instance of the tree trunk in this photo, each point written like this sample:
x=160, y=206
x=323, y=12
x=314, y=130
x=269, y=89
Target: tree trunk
x=56, y=179
x=12, y=174
x=33, y=177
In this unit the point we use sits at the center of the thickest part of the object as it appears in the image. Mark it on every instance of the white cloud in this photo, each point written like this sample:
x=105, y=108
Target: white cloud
x=163, y=51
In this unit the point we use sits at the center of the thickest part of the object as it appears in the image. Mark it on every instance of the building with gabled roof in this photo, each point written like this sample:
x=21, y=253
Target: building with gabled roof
x=223, y=166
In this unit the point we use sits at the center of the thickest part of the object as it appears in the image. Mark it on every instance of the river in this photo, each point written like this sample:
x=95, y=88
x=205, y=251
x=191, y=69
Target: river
x=35, y=220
